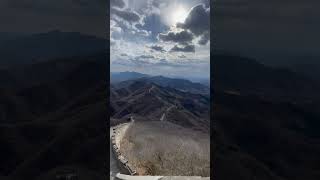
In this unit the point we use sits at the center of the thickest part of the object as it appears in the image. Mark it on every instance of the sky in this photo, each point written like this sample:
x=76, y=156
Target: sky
x=272, y=31
x=35, y=16
x=160, y=37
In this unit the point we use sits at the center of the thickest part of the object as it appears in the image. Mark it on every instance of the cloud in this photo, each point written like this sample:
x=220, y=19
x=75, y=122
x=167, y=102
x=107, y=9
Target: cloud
x=182, y=37
x=206, y=3
x=126, y=31
x=145, y=57
x=127, y=15
x=204, y=39
x=163, y=62
x=187, y=48
x=117, y=3
x=142, y=60
x=198, y=22
x=153, y=23
x=112, y=43
x=157, y=48
x=123, y=54
x=182, y=56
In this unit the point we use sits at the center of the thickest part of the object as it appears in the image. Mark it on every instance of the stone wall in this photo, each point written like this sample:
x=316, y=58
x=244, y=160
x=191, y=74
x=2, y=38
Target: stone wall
x=116, y=137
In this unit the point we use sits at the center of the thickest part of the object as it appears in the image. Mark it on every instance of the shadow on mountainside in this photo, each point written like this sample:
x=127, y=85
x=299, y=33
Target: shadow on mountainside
x=265, y=122
x=52, y=122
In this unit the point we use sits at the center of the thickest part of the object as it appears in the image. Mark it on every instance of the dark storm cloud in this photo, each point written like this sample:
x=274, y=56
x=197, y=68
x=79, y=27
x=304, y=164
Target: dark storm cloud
x=198, y=20
x=187, y=48
x=182, y=37
x=117, y=3
x=126, y=15
x=204, y=39
x=157, y=48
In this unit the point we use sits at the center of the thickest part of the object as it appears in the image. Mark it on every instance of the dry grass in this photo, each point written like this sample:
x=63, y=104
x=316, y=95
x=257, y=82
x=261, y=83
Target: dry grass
x=163, y=148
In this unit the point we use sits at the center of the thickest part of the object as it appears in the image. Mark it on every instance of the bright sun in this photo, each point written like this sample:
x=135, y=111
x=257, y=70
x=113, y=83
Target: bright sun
x=179, y=15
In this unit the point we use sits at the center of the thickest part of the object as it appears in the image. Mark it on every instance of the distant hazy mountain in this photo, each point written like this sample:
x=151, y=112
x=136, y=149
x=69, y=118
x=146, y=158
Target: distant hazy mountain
x=124, y=76
x=46, y=46
x=179, y=84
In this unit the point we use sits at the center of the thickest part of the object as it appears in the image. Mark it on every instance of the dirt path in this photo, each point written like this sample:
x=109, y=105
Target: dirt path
x=164, y=114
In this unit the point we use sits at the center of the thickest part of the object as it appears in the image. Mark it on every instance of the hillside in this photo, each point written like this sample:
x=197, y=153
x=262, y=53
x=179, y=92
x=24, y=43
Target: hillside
x=52, y=124
x=167, y=121
x=265, y=122
x=149, y=101
x=247, y=76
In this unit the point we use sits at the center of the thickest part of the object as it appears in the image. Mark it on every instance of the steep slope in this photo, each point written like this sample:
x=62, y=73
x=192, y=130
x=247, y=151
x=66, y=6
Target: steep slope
x=55, y=125
x=265, y=122
x=41, y=91
x=150, y=102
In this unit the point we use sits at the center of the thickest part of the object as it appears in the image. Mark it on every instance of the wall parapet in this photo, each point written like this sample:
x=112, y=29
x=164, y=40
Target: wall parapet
x=117, y=135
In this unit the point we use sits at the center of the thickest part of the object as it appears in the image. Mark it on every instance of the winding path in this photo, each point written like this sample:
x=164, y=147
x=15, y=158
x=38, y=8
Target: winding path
x=164, y=114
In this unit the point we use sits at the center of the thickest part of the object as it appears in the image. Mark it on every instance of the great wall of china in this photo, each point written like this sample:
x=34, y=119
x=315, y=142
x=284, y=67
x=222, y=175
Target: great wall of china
x=127, y=171
x=118, y=133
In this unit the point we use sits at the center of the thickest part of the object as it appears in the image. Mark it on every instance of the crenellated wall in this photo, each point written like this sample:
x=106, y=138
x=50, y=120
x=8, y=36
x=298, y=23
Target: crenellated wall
x=116, y=137
x=127, y=172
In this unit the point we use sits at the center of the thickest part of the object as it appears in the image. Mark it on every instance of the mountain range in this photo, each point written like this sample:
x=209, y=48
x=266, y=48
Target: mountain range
x=266, y=121
x=176, y=83
x=53, y=112
x=148, y=101
x=52, y=117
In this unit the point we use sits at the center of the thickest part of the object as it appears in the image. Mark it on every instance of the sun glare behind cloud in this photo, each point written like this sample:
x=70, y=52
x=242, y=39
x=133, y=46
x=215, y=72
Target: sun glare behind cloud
x=179, y=15
x=174, y=13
